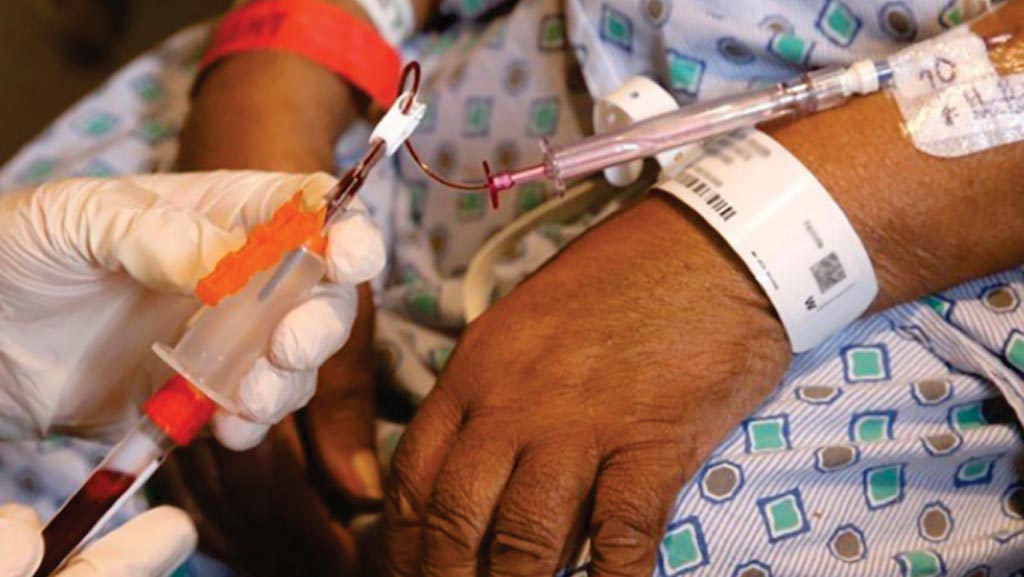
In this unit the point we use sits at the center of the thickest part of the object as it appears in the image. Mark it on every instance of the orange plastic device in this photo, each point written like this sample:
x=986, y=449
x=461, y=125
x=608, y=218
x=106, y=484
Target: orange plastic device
x=291, y=227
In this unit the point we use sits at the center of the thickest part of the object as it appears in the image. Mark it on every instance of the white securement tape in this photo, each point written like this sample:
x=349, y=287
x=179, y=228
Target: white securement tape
x=397, y=126
x=638, y=99
x=786, y=228
x=394, y=19
x=952, y=99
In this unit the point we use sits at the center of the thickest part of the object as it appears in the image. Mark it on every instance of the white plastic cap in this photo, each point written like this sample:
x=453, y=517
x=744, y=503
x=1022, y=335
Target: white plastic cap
x=861, y=78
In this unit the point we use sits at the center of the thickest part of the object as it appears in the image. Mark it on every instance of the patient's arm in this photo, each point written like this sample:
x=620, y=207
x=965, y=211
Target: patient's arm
x=272, y=110
x=276, y=111
x=587, y=396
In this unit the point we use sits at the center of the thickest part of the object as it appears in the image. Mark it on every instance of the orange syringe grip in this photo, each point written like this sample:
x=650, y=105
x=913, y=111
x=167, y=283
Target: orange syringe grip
x=289, y=228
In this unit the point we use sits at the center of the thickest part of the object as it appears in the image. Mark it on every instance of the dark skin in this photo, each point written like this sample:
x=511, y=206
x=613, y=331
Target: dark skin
x=285, y=115
x=551, y=422
x=275, y=111
x=577, y=424
x=296, y=530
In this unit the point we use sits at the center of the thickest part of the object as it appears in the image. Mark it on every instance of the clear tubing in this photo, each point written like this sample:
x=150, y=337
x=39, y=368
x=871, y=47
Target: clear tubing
x=649, y=137
x=128, y=465
x=810, y=93
x=341, y=196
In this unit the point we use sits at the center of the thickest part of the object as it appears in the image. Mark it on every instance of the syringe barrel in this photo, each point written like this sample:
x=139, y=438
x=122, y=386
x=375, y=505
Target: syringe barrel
x=219, y=348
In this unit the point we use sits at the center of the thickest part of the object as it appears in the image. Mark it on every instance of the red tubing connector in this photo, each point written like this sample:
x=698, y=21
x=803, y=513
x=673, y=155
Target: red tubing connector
x=179, y=409
x=496, y=183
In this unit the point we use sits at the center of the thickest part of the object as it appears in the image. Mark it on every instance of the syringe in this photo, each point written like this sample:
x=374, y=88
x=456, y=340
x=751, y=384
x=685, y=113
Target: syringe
x=246, y=296
x=812, y=92
x=245, y=299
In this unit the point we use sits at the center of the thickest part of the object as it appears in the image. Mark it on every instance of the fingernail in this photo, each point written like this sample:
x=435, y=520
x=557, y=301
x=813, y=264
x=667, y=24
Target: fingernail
x=363, y=476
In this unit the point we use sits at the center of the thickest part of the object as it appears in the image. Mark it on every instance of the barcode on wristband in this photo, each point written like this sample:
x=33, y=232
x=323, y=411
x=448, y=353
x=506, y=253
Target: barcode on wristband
x=706, y=192
x=828, y=272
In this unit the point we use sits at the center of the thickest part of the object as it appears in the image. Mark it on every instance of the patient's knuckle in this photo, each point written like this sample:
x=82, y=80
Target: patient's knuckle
x=449, y=526
x=520, y=534
x=396, y=570
x=623, y=546
x=624, y=533
x=433, y=568
x=442, y=566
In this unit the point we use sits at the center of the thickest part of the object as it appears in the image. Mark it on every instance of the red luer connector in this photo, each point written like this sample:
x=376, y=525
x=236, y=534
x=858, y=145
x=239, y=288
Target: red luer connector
x=179, y=409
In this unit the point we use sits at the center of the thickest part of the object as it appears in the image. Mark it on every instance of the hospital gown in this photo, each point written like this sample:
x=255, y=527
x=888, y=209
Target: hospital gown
x=892, y=449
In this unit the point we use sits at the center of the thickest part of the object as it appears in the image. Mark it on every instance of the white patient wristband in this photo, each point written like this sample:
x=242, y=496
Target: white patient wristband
x=786, y=228
x=394, y=19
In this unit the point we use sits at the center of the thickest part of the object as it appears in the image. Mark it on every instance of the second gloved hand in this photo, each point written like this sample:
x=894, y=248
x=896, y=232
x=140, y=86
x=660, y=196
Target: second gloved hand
x=152, y=545
x=93, y=272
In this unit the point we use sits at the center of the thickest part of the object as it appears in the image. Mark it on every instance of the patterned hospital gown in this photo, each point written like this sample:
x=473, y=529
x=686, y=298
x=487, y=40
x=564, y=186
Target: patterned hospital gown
x=892, y=449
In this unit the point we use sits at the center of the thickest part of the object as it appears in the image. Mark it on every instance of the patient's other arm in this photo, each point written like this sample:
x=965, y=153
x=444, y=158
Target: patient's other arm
x=275, y=111
x=581, y=402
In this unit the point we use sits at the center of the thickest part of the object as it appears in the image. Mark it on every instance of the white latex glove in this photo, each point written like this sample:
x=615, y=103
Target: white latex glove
x=153, y=544
x=94, y=271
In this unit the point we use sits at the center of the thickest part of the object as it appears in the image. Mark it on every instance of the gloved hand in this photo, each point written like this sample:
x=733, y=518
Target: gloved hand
x=93, y=272
x=150, y=545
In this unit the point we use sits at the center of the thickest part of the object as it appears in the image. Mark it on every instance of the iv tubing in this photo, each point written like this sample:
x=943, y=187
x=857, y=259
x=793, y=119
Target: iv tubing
x=810, y=93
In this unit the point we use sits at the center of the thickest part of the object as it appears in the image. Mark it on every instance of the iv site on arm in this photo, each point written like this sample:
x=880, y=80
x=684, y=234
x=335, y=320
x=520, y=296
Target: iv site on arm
x=954, y=99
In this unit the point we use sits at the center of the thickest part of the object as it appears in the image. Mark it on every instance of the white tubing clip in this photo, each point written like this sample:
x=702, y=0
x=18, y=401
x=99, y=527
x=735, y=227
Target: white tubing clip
x=397, y=126
x=638, y=99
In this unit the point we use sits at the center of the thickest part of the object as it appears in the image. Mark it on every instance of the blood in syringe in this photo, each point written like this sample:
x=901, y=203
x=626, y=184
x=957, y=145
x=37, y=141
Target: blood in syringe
x=79, y=515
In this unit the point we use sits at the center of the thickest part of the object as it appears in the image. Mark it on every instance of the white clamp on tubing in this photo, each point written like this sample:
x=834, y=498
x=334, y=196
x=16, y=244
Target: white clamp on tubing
x=786, y=228
x=638, y=99
x=397, y=126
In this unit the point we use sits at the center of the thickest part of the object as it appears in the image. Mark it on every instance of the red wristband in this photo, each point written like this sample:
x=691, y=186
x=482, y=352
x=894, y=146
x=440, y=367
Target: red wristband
x=316, y=30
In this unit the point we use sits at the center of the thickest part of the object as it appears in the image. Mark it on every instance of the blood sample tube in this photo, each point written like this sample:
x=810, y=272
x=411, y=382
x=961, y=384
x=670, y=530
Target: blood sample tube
x=174, y=415
x=247, y=295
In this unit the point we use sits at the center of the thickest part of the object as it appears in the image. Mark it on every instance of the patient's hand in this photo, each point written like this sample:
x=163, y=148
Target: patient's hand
x=586, y=397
